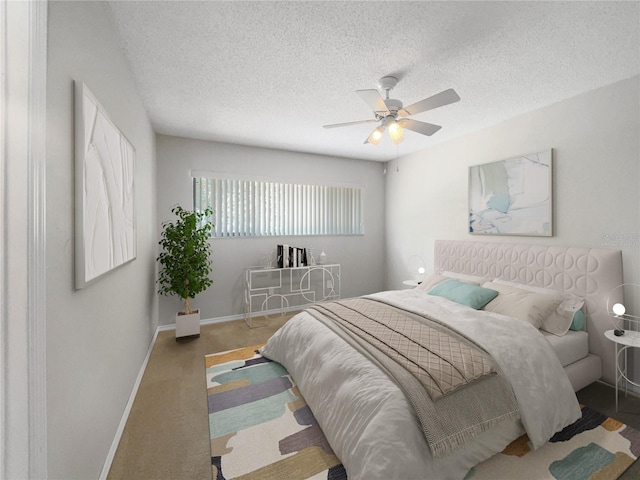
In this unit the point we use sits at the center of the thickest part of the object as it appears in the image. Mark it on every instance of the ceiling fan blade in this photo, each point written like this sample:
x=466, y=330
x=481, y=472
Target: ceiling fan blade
x=438, y=100
x=419, y=127
x=334, y=125
x=374, y=100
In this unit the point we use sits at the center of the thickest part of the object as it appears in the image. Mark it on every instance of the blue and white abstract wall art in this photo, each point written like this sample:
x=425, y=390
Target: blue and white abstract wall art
x=512, y=197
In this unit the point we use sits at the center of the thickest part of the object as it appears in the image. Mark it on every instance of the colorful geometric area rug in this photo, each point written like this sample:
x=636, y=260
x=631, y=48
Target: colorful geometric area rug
x=595, y=447
x=260, y=426
x=262, y=429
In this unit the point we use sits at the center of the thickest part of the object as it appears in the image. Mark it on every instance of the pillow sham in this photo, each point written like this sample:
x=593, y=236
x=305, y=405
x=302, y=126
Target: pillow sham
x=472, y=296
x=522, y=304
x=431, y=281
x=463, y=277
x=560, y=320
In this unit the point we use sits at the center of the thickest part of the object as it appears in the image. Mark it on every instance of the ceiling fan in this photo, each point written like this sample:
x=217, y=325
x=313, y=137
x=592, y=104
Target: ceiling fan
x=388, y=110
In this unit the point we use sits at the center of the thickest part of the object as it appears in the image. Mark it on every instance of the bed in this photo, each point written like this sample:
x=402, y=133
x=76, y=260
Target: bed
x=591, y=273
x=369, y=410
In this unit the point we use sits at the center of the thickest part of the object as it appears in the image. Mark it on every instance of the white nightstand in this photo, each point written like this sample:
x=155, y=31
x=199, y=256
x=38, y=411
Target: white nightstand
x=623, y=343
x=411, y=283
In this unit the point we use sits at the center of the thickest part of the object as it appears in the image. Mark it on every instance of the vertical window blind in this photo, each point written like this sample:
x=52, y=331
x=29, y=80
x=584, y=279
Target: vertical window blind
x=250, y=208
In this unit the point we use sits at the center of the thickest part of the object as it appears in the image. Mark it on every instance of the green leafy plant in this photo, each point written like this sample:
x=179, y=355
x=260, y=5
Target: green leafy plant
x=186, y=255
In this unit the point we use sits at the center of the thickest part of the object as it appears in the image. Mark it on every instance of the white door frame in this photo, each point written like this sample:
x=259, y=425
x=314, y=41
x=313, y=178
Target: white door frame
x=23, y=68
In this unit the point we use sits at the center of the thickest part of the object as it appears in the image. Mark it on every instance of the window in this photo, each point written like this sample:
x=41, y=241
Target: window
x=251, y=208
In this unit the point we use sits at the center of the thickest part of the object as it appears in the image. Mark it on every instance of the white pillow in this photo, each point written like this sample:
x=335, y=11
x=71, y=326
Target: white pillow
x=559, y=321
x=522, y=304
x=433, y=280
x=463, y=277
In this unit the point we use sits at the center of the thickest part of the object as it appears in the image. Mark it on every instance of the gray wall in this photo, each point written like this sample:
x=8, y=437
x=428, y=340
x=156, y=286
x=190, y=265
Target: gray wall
x=596, y=143
x=361, y=256
x=97, y=337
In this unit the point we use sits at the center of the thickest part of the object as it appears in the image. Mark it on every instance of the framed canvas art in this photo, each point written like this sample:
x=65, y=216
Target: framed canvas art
x=105, y=203
x=512, y=197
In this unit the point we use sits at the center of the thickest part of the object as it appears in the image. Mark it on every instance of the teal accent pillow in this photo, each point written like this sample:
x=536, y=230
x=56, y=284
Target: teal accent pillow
x=578, y=321
x=464, y=293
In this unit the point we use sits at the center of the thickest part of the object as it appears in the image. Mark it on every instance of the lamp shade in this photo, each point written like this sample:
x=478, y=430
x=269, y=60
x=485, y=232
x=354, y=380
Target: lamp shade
x=375, y=136
x=618, y=315
x=395, y=132
x=416, y=268
x=618, y=309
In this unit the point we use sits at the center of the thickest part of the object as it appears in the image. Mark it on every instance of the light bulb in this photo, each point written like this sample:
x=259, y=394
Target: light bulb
x=375, y=136
x=618, y=309
x=395, y=132
x=421, y=270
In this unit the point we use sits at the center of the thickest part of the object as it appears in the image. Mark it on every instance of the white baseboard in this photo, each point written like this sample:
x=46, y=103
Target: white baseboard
x=204, y=321
x=136, y=385
x=127, y=410
x=231, y=318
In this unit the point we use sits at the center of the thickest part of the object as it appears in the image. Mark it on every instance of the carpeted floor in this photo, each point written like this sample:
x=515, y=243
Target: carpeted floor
x=167, y=433
x=167, y=438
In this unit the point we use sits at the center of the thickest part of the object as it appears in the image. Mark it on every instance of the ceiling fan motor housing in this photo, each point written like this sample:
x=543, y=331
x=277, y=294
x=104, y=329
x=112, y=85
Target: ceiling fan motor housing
x=393, y=105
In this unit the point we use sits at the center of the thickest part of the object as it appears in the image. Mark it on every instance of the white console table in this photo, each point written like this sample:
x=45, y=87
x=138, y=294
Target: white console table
x=269, y=290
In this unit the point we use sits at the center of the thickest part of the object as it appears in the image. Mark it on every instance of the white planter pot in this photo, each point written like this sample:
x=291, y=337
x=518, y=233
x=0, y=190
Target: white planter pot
x=188, y=325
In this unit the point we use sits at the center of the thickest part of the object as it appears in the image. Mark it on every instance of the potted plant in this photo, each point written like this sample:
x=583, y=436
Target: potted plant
x=185, y=264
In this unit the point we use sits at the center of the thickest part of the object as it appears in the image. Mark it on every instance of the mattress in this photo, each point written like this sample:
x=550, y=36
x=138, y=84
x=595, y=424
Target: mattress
x=569, y=348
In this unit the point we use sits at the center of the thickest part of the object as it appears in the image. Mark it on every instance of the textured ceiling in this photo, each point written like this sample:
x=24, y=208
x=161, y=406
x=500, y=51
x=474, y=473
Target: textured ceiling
x=270, y=74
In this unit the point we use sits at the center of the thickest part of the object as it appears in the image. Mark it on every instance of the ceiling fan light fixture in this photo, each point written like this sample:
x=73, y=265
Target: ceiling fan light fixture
x=375, y=136
x=395, y=132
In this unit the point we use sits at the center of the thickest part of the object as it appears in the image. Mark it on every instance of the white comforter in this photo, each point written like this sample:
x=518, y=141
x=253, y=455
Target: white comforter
x=367, y=419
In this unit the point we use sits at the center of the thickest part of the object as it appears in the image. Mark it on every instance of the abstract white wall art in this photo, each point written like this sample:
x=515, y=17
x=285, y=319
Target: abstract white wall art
x=105, y=204
x=512, y=197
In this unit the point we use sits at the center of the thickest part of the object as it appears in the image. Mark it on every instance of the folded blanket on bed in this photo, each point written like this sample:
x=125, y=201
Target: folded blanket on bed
x=441, y=361
x=443, y=374
x=546, y=399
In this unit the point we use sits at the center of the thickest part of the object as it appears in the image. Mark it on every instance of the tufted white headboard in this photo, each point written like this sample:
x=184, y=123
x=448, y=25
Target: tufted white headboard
x=592, y=273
